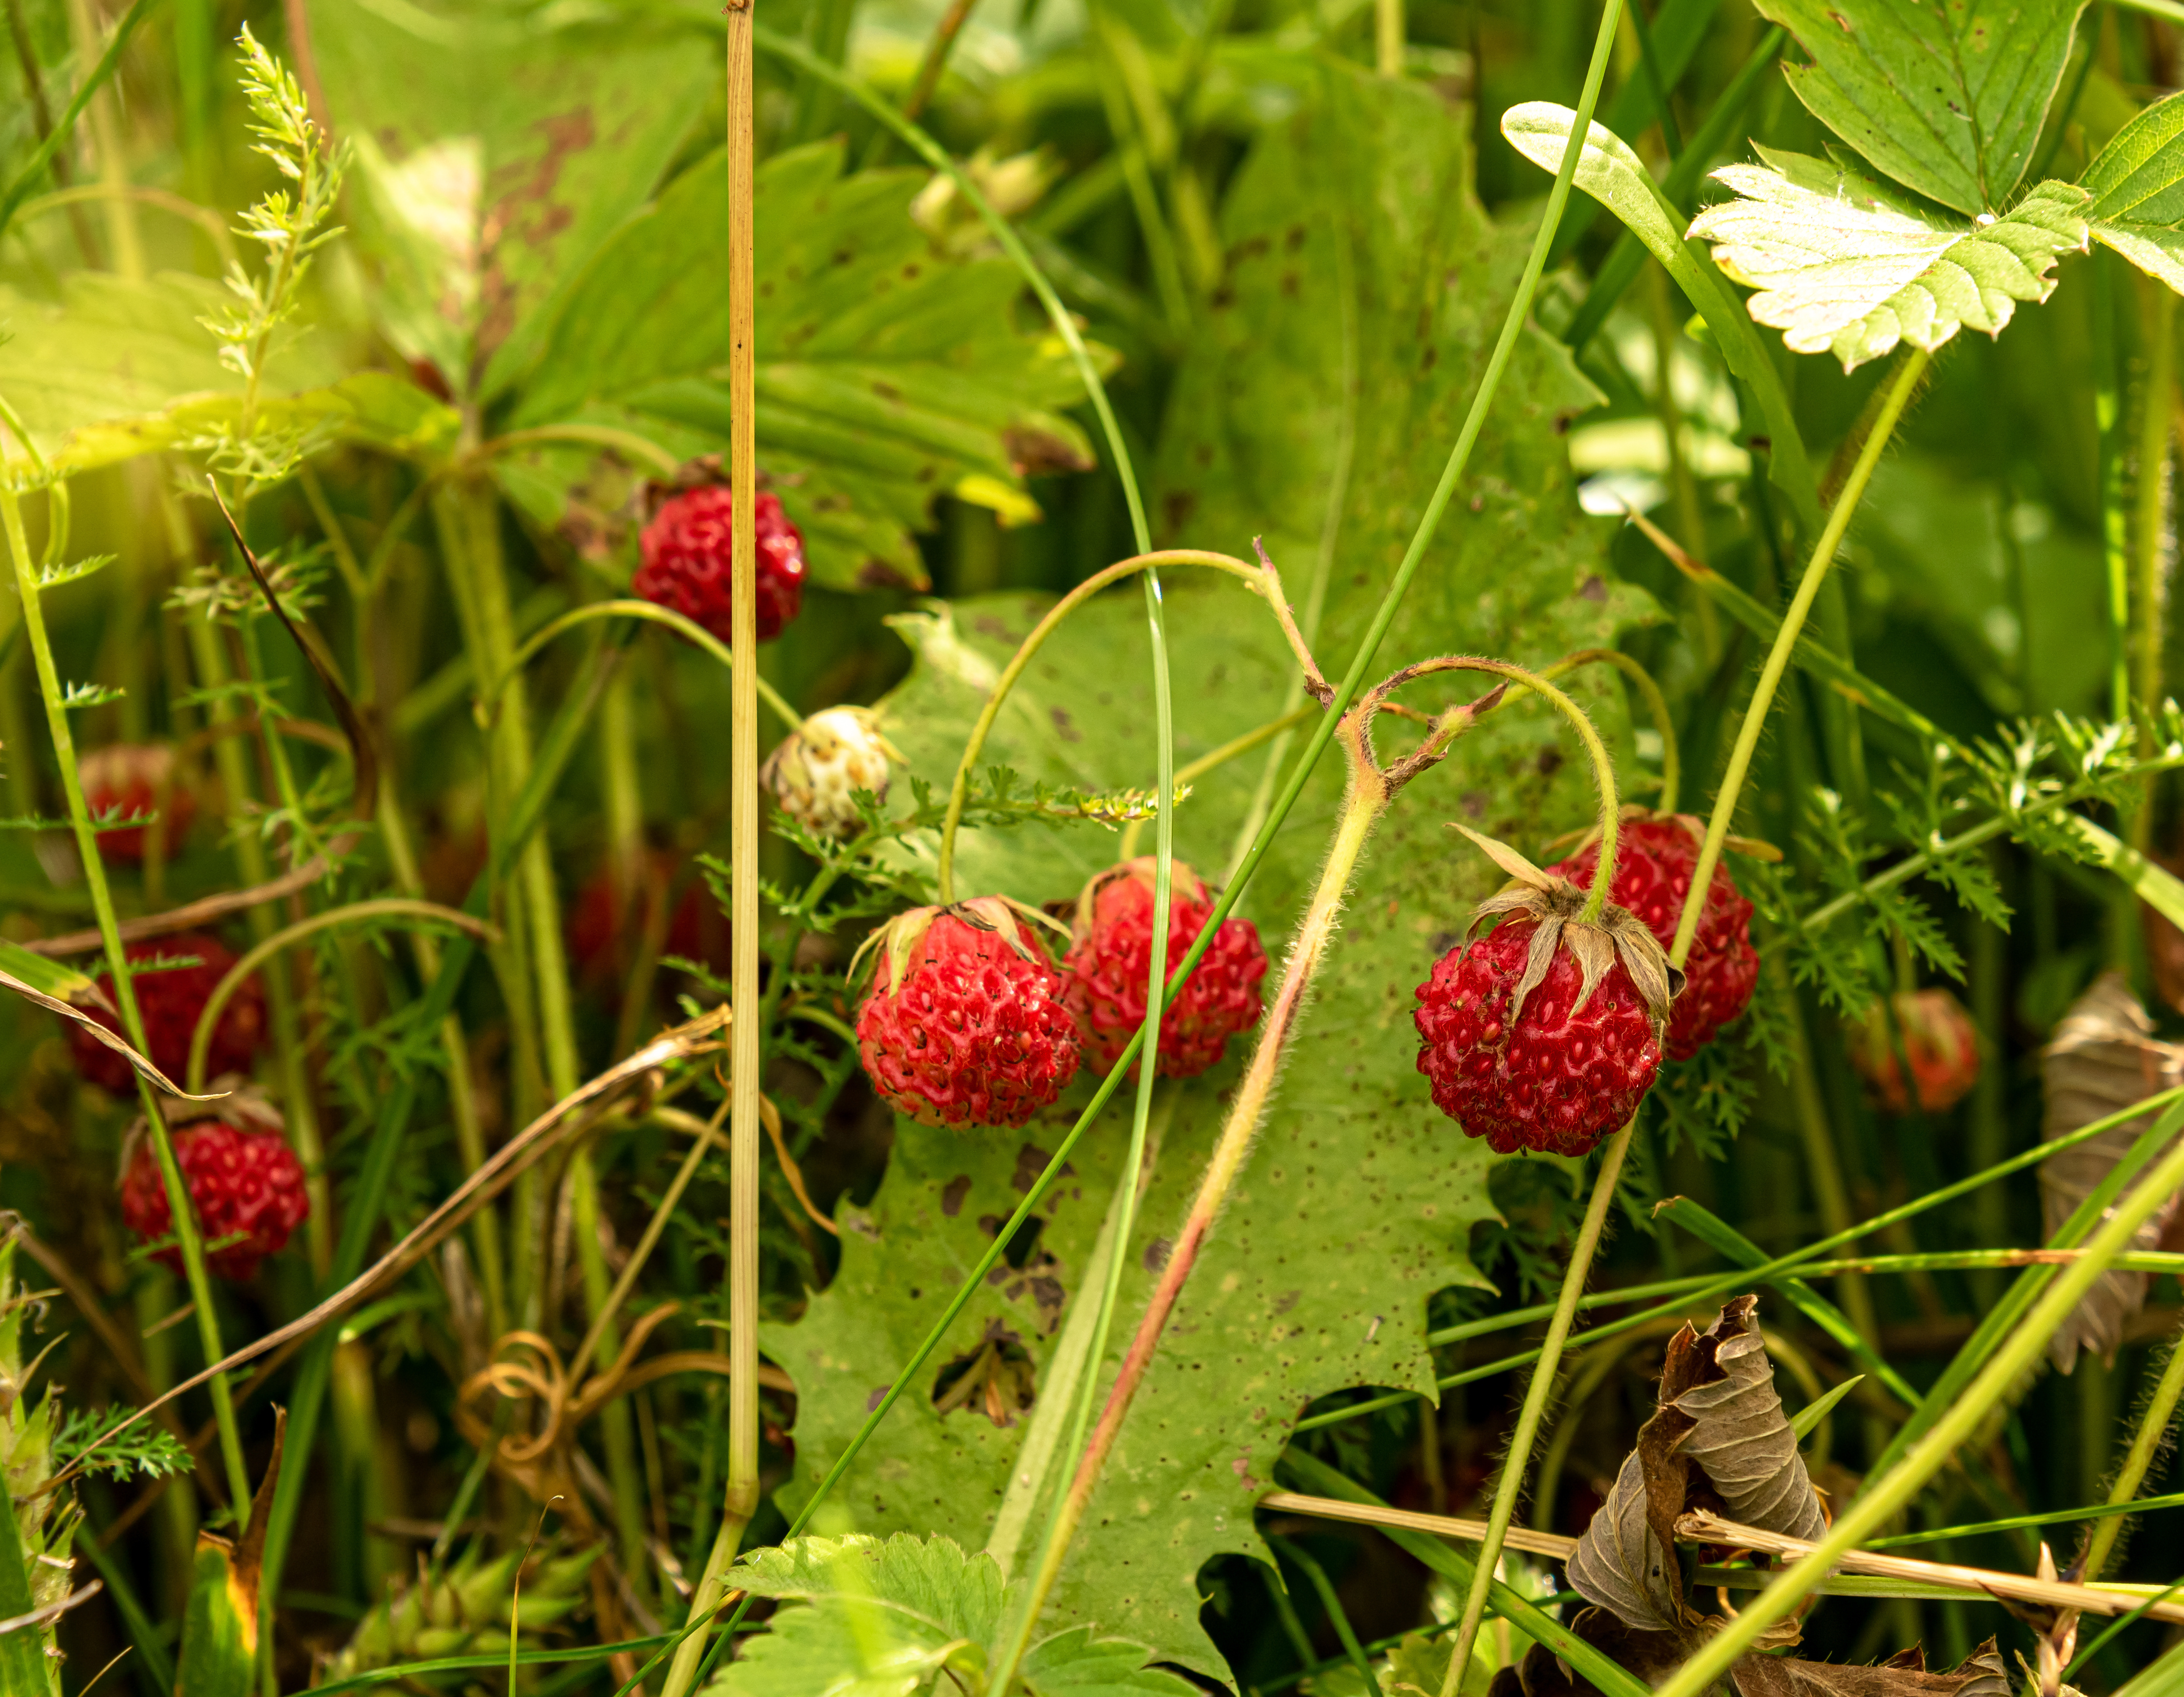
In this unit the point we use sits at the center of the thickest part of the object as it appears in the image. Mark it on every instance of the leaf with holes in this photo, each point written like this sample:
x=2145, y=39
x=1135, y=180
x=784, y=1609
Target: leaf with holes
x=1947, y=96
x=1359, y=1201
x=1843, y=266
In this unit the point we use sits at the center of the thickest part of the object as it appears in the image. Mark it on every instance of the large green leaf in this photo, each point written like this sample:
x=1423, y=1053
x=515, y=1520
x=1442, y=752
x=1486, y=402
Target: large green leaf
x=120, y=368
x=1314, y=410
x=502, y=151
x=2137, y=187
x=1842, y=266
x=885, y=1617
x=890, y=372
x=1947, y=96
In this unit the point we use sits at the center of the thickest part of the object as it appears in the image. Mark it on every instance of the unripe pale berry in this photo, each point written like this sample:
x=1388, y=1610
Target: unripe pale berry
x=816, y=772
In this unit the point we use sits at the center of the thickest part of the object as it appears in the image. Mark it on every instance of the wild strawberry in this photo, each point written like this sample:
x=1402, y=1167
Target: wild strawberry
x=242, y=1182
x=687, y=551
x=1939, y=1040
x=817, y=771
x=126, y=779
x=1110, y=953
x=1654, y=861
x=1545, y=1034
x=965, y=1024
x=170, y=1000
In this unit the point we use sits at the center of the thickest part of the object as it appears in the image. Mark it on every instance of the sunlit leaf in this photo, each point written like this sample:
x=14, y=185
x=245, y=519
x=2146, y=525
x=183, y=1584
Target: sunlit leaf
x=1843, y=266
x=1947, y=96
x=2137, y=187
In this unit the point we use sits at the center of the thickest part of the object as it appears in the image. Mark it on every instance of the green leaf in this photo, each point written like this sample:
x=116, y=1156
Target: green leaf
x=884, y=1617
x=49, y=976
x=505, y=150
x=1614, y=175
x=890, y=372
x=1356, y=215
x=1947, y=96
x=120, y=369
x=2137, y=187
x=1842, y=266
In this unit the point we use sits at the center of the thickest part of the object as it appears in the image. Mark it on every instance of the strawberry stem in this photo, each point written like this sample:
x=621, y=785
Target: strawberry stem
x=959, y=793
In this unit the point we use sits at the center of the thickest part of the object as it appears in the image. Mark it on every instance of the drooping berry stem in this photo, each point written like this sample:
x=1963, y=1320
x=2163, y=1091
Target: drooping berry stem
x=1657, y=709
x=188, y=1237
x=1908, y=372
x=959, y=793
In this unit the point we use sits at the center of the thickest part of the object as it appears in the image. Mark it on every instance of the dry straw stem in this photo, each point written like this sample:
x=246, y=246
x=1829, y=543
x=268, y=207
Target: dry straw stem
x=521, y=1152
x=1974, y=1584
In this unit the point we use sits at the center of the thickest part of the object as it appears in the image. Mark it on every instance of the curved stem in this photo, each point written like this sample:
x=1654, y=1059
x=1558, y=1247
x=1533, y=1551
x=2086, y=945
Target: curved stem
x=1900, y=388
x=652, y=611
x=1512, y=1483
x=959, y=793
x=383, y=907
x=214, y=227
x=1657, y=709
x=1603, y=768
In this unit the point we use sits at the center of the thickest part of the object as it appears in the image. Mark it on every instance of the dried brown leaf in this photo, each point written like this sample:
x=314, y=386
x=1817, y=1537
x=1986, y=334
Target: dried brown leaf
x=1621, y=1563
x=1741, y=1439
x=2101, y=1058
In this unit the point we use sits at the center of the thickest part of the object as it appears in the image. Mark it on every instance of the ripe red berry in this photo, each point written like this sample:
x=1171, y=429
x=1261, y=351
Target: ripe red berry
x=964, y=1023
x=1545, y=1034
x=1654, y=861
x=126, y=779
x=1110, y=953
x=240, y=1180
x=170, y=1000
x=1939, y=1040
x=687, y=550
x=606, y=924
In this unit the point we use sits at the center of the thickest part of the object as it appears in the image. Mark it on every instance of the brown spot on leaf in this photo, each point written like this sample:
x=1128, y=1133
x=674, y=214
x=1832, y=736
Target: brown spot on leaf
x=952, y=1195
x=1063, y=728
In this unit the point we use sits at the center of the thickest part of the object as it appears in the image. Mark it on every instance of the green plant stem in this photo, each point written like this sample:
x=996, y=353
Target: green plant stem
x=188, y=1237
x=2115, y=532
x=1908, y=372
x=108, y=63
x=687, y=628
x=2150, y=1438
x=1512, y=1483
x=1330, y=1603
x=1887, y=1495
x=2151, y=626
x=1343, y=692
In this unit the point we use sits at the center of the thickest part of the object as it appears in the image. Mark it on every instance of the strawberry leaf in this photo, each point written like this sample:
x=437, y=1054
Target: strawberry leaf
x=2136, y=183
x=1946, y=97
x=1843, y=266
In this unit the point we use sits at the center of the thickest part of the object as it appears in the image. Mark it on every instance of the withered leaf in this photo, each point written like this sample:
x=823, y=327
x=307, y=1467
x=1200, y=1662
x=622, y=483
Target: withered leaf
x=1739, y=1436
x=2103, y=1057
x=1980, y=1674
x=1652, y=1656
x=1622, y=1563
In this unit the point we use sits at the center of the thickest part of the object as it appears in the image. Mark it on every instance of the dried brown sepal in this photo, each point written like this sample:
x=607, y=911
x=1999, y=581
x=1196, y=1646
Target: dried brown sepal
x=1184, y=883
x=2104, y=1056
x=1555, y=904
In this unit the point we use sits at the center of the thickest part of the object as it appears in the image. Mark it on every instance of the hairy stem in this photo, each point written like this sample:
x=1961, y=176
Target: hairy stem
x=1368, y=799
x=2146, y=1443
x=1908, y=372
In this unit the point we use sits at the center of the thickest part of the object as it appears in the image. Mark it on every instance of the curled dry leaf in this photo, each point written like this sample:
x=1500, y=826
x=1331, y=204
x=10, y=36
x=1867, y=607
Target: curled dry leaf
x=1717, y=1434
x=1980, y=1674
x=142, y=1064
x=2103, y=1057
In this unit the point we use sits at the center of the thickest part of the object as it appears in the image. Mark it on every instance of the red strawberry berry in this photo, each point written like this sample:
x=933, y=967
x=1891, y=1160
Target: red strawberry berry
x=170, y=1000
x=1545, y=1034
x=686, y=561
x=1654, y=861
x=240, y=1181
x=964, y=1023
x=1110, y=953
x=1939, y=1040
x=126, y=779
x=605, y=925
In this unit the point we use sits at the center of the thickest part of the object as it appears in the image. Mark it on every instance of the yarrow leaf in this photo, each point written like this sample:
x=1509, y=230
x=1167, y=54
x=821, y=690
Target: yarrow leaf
x=1843, y=266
